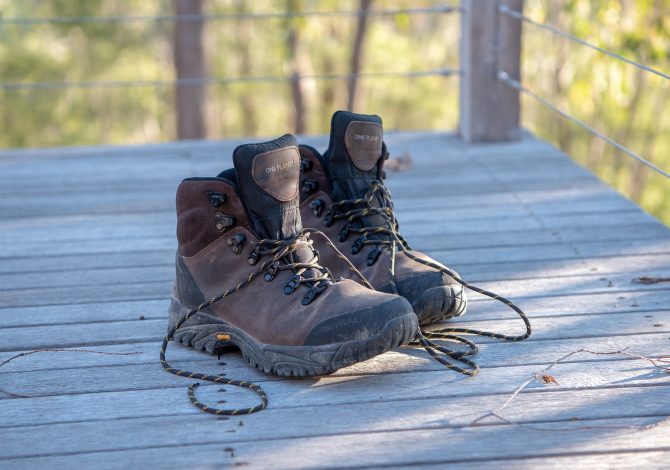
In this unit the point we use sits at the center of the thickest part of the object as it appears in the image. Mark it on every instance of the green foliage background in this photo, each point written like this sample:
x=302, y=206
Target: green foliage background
x=625, y=103
x=619, y=100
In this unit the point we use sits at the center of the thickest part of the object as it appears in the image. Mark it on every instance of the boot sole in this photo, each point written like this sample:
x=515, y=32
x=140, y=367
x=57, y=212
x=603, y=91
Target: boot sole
x=205, y=332
x=440, y=303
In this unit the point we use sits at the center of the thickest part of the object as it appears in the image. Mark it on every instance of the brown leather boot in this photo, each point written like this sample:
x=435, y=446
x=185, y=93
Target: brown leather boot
x=243, y=253
x=343, y=195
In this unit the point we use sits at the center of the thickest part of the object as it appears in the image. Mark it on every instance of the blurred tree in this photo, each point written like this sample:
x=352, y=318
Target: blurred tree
x=630, y=106
x=296, y=60
x=189, y=61
x=357, y=53
x=625, y=103
x=243, y=48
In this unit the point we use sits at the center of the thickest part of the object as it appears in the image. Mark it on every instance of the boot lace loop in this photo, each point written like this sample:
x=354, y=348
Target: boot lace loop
x=278, y=254
x=385, y=235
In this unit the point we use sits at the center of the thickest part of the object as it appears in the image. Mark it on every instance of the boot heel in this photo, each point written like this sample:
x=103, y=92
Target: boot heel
x=440, y=303
x=201, y=331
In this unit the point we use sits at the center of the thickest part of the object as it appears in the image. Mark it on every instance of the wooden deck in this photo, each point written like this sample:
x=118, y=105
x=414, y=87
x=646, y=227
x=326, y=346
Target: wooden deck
x=87, y=239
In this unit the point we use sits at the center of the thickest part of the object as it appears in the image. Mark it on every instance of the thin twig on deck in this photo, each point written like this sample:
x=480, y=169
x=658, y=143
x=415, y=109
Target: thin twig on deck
x=659, y=362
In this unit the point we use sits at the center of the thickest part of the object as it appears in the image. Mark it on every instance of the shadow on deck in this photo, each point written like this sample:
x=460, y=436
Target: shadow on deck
x=87, y=263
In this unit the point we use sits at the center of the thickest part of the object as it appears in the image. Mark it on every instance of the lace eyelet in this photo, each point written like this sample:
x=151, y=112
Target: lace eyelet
x=328, y=219
x=215, y=198
x=373, y=256
x=254, y=256
x=223, y=221
x=358, y=245
x=271, y=272
x=309, y=186
x=344, y=233
x=317, y=206
x=314, y=292
x=305, y=165
x=235, y=243
x=292, y=284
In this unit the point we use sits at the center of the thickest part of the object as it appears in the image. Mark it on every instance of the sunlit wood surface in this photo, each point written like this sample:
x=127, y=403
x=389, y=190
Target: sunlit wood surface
x=87, y=239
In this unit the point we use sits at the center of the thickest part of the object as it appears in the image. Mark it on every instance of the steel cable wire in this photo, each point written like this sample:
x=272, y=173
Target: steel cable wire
x=504, y=9
x=505, y=78
x=440, y=9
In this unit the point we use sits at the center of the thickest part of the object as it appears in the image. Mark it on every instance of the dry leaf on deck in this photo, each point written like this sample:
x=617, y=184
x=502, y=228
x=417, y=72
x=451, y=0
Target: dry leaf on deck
x=401, y=163
x=548, y=379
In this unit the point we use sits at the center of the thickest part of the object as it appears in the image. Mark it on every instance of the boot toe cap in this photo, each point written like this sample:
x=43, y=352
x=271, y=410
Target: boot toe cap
x=379, y=319
x=434, y=295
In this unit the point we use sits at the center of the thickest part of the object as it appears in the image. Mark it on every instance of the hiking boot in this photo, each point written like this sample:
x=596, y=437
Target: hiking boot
x=241, y=232
x=342, y=194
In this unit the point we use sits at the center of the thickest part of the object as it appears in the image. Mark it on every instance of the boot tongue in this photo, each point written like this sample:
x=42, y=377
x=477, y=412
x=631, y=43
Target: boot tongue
x=354, y=153
x=268, y=174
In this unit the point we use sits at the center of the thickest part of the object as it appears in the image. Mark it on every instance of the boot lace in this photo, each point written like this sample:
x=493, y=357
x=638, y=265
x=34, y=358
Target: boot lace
x=280, y=255
x=377, y=202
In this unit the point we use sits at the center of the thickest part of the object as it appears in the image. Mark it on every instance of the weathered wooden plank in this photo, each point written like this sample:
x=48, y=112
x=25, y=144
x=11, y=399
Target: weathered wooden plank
x=88, y=277
x=161, y=175
x=500, y=319
x=23, y=206
x=156, y=280
x=163, y=224
x=101, y=308
x=84, y=313
x=578, y=236
x=64, y=201
x=156, y=175
x=67, y=295
x=647, y=265
x=170, y=165
x=645, y=231
x=165, y=170
x=278, y=423
x=434, y=141
x=493, y=354
x=577, y=283
x=530, y=202
x=88, y=261
x=30, y=212
x=147, y=290
x=34, y=231
x=567, y=267
x=341, y=390
x=454, y=258
x=128, y=161
x=649, y=231
x=610, y=459
x=454, y=190
x=166, y=219
x=90, y=380
x=541, y=202
x=442, y=445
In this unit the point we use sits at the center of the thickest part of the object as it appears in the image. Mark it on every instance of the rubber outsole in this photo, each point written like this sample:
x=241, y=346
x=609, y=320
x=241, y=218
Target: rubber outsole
x=205, y=332
x=440, y=303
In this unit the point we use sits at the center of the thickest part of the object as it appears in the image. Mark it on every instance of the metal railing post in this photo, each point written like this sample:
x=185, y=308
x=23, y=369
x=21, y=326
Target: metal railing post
x=490, y=42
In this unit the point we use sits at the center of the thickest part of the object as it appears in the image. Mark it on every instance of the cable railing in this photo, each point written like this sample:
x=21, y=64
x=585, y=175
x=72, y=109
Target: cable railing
x=102, y=84
x=440, y=9
x=443, y=72
x=504, y=77
x=502, y=74
x=504, y=9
